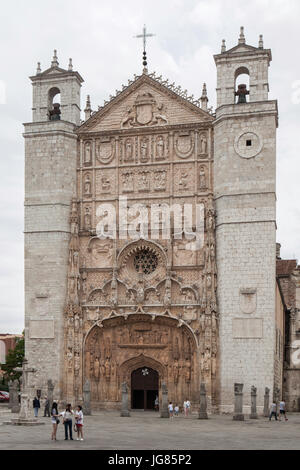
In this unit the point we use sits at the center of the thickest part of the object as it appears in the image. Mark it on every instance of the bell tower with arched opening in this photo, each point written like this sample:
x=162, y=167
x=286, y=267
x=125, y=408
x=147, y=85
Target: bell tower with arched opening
x=50, y=184
x=244, y=191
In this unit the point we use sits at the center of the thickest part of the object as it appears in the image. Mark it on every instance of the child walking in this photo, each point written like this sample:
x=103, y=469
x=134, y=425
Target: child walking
x=79, y=423
x=171, y=410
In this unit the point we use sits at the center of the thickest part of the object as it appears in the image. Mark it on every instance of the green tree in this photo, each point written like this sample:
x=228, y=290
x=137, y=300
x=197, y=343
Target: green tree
x=14, y=359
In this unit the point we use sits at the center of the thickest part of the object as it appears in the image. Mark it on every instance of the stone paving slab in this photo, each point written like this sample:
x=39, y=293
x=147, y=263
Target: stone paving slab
x=145, y=430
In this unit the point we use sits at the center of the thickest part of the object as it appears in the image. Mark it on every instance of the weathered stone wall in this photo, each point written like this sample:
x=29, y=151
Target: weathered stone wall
x=50, y=175
x=244, y=189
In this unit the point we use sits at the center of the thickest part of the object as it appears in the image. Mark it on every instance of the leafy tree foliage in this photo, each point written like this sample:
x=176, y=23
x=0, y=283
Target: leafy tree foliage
x=14, y=359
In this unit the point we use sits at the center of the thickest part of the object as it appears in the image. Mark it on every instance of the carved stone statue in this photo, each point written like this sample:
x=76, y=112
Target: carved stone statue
x=87, y=185
x=87, y=153
x=160, y=148
x=202, y=179
x=203, y=144
x=87, y=219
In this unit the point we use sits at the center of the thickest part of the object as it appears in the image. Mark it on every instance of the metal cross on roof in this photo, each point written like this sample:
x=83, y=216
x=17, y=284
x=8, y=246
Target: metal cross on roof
x=145, y=35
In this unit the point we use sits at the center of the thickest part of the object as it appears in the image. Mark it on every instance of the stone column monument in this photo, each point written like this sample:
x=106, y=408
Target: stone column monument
x=50, y=387
x=125, y=408
x=14, y=404
x=25, y=416
x=267, y=402
x=203, y=402
x=87, y=398
x=238, y=402
x=253, y=414
x=164, y=413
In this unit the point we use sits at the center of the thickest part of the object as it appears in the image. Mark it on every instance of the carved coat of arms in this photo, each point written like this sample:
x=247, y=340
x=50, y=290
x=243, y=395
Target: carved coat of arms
x=105, y=150
x=145, y=112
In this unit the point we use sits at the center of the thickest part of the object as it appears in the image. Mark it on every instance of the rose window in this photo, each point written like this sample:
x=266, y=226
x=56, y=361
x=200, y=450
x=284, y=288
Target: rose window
x=145, y=261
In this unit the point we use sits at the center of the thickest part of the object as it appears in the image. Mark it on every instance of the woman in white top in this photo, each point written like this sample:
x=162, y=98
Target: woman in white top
x=67, y=420
x=79, y=423
x=171, y=410
x=54, y=421
x=186, y=407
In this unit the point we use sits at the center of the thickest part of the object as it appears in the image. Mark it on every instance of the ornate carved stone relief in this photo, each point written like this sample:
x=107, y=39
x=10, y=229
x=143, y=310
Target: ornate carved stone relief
x=145, y=112
x=112, y=352
x=87, y=185
x=105, y=148
x=184, y=178
x=101, y=253
x=105, y=181
x=184, y=144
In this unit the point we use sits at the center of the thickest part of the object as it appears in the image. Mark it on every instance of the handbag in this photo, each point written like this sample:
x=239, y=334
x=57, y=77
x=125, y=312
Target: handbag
x=57, y=421
x=75, y=427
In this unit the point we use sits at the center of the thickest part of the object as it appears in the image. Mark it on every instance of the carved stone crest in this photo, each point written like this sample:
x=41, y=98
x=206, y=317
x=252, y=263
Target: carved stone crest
x=184, y=144
x=248, y=300
x=145, y=112
x=105, y=150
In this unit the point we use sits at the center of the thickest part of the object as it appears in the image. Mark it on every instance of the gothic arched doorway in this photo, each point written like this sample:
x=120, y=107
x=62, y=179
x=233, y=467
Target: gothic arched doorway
x=144, y=388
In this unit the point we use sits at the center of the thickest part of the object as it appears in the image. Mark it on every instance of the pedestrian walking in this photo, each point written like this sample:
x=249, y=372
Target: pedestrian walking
x=47, y=407
x=156, y=403
x=282, y=410
x=79, y=423
x=54, y=420
x=176, y=410
x=186, y=407
x=67, y=420
x=36, y=406
x=273, y=411
x=171, y=410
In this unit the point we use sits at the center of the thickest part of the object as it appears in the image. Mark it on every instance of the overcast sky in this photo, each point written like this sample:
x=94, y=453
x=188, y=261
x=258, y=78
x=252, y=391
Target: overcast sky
x=98, y=35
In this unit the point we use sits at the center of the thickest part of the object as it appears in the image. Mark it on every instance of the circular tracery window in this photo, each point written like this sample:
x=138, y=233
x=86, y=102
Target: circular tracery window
x=145, y=261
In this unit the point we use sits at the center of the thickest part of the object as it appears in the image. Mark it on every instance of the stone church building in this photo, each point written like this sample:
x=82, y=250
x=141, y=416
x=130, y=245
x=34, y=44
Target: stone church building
x=153, y=310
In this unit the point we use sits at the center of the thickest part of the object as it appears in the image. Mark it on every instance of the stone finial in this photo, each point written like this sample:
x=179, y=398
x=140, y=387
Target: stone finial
x=242, y=36
x=70, y=67
x=261, y=42
x=88, y=109
x=223, y=48
x=204, y=98
x=38, y=69
x=54, y=62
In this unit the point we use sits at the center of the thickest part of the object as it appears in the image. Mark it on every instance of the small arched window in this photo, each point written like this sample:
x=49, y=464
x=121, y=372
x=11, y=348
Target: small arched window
x=242, y=85
x=54, y=111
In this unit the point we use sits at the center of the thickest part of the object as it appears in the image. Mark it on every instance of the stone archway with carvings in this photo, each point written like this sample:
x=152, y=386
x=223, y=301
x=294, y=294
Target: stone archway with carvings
x=126, y=343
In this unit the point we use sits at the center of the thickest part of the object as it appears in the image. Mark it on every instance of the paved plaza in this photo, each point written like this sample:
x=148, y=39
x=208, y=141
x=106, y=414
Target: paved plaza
x=145, y=430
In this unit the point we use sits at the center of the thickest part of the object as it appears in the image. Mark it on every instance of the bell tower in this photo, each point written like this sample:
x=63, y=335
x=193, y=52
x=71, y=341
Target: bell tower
x=245, y=198
x=50, y=184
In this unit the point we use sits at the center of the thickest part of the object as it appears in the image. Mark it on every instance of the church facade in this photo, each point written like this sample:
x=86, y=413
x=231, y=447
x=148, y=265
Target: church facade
x=152, y=309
